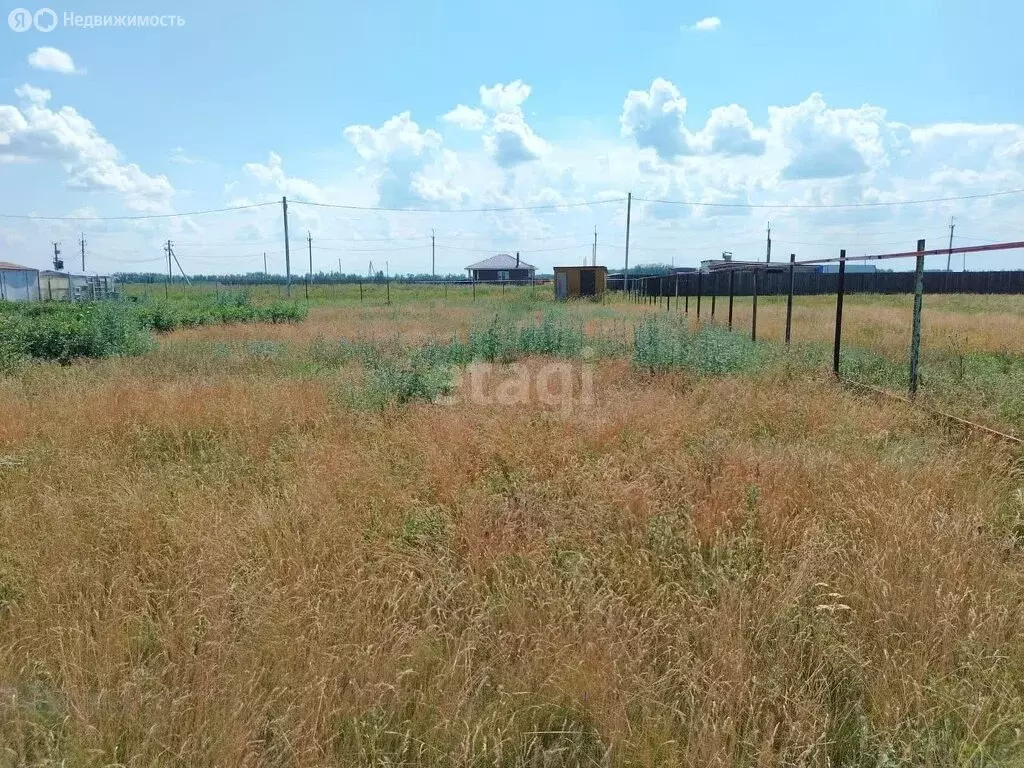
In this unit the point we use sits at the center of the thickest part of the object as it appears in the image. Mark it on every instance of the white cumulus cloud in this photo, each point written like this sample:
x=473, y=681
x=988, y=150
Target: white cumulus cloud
x=53, y=60
x=409, y=165
x=508, y=138
x=730, y=131
x=33, y=132
x=467, y=118
x=179, y=156
x=510, y=141
x=709, y=24
x=654, y=118
x=272, y=174
x=505, y=98
x=826, y=143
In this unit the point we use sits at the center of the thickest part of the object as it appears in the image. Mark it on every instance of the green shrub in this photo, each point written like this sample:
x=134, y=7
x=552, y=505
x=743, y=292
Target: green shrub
x=281, y=312
x=398, y=382
x=661, y=345
x=503, y=341
x=69, y=331
x=163, y=315
x=64, y=332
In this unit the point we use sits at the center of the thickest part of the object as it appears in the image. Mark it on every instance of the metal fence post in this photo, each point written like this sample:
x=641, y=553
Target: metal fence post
x=753, y=319
x=699, y=287
x=789, y=300
x=686, y=299
x=839, y=313
x=677, y=292
x=714, y=295
x=732, y=293
x=915, y=336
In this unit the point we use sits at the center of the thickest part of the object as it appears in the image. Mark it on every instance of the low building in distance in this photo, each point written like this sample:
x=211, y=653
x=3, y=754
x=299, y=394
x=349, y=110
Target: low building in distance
x=580, y=282
x=18, y=283
x=501, y=269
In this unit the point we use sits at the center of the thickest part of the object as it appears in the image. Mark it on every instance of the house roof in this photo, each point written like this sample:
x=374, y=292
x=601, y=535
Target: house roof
x=582, y=266
x=73, y=273
x=501, y=261
x=721, y=265
x=16, y=267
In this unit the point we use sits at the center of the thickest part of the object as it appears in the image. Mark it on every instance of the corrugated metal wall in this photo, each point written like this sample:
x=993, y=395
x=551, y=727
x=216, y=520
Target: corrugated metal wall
x=19, y=285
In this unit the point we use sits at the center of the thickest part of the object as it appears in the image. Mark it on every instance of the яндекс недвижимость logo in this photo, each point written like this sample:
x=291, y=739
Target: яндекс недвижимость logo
x=46, y=20
x=22, y=20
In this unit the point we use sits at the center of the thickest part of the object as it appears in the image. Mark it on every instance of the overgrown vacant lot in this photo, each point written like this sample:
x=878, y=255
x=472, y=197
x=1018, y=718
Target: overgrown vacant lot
x=268, y=545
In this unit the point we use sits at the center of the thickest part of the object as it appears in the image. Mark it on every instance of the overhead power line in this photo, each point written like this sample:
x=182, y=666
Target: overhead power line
x=831, y=205
x=840, y=241
x=550, y=206
x=132, y=218
x=978, y=239
x=372, y=250
x=576, y=246
x=500, y=209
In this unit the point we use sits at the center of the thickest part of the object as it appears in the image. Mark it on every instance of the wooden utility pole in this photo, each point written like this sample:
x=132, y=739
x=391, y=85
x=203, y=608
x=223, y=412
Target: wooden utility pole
x=264, y=263
x=81, y=242
x=170, y=276
x=949, y=259
x=433, y=268
x=769, y=257
x=625, y=276
x=287, y=248
x=309, y=240
x=175, y=257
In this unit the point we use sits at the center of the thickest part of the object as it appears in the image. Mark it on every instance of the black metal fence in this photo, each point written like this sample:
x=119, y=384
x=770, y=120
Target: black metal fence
x=771, y=282
x=795, y=278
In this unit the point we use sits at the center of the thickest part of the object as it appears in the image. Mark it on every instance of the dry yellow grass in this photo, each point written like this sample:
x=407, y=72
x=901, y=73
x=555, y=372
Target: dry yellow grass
x=221, y=563
x=881, y=324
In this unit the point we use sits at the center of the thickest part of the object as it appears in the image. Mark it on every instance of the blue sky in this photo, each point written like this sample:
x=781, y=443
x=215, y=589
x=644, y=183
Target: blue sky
x=746, y=103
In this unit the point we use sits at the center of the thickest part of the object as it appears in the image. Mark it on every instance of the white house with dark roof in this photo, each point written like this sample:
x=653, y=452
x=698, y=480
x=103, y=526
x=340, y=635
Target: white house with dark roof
x=501, y=268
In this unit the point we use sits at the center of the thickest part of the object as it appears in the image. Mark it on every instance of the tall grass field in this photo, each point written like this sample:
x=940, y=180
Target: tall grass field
x=247, y=530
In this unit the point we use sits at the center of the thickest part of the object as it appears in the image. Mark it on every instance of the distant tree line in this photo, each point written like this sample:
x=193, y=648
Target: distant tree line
x=333, y=278
x=260, y=278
